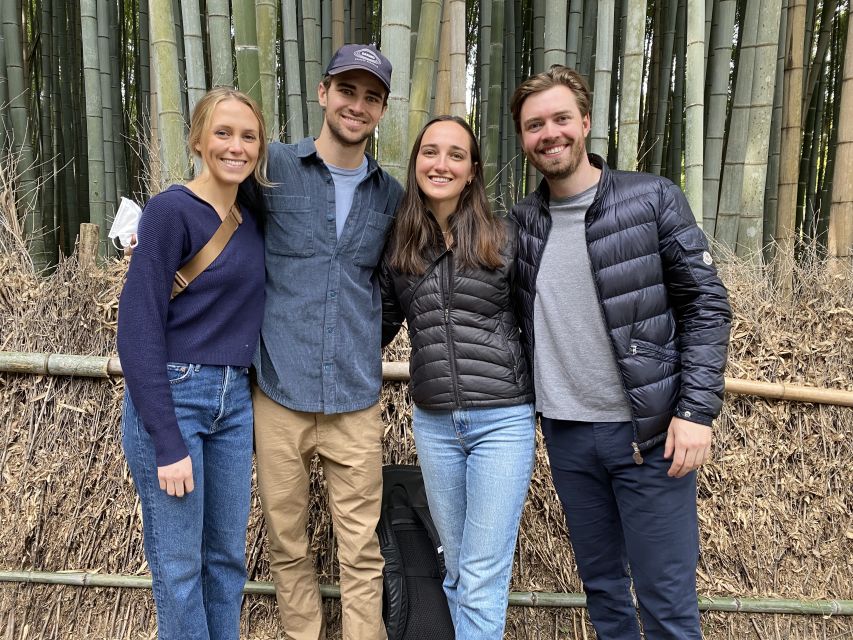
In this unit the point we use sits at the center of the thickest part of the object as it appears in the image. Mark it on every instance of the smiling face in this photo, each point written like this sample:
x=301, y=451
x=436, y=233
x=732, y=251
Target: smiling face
x=444, y=165
x=230, y=146
x=354, y=102
x=553, y=132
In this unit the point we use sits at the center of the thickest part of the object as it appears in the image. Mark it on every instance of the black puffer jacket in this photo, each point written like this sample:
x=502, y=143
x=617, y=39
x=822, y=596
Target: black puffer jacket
x=463, y=330
x=665, y=308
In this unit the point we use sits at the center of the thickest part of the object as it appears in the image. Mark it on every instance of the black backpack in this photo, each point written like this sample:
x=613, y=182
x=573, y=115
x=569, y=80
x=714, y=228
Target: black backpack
x=414, y=606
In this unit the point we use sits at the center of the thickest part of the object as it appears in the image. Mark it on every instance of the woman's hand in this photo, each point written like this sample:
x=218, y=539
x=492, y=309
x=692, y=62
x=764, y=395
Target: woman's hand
x=176, y=479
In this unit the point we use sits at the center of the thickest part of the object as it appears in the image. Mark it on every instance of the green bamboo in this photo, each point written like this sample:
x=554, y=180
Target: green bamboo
x=325, y=31
x=338, y=24
x=716, y=109
x=119, y=130
x=5, y=126
x=590, y=21
x=573, y=32
x=599, y=134
x=47, y=130
x=94, y=113
x=170, y=116
x=750, y=227
x=393, y=136
x=246, y=48
x=629, y=102
x=482, y=67
x=694, y=111
x=193, y=53
x=732, y=177
x=491, y=140
x=771, y=188
x=26, y=196
x=791, y=128
x=312, y=65
x=68, y=131
x=675, y=142
x=664, y=84
x=423, y=69
x=103, y=17
x=534, y=599
x=219, y=33
x=556, y=20
x=266, y=15
x=295, y=126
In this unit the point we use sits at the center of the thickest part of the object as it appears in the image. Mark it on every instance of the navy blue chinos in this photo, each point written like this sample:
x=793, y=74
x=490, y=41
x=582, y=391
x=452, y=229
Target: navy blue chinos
x=621, y=514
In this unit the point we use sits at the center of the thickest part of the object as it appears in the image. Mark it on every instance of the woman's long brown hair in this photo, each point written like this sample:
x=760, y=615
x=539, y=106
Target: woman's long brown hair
x=477, y=235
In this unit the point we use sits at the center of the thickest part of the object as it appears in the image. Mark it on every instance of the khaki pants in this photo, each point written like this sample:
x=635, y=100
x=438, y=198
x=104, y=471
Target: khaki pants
x=350, y=449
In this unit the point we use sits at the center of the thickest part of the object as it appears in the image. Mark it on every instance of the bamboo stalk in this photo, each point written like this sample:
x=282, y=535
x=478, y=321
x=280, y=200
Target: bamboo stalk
x=59, y=364
x=516, y=598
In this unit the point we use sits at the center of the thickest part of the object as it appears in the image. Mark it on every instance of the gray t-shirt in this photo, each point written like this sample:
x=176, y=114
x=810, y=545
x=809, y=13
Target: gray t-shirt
x=574, y=366
x=346, y=180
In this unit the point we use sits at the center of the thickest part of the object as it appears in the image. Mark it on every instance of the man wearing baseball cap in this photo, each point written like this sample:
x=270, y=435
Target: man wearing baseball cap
x=319, y=368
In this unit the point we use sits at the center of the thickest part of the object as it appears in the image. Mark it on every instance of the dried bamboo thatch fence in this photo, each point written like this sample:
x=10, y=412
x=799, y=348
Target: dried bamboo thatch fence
x=775, y=501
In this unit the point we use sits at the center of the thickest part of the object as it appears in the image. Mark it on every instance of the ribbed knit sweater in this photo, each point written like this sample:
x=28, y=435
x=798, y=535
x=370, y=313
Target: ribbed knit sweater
x=215, y=321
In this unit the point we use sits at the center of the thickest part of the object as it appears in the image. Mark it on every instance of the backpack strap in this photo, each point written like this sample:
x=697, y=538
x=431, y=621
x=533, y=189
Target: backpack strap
x=426, y=520
x=208, y=253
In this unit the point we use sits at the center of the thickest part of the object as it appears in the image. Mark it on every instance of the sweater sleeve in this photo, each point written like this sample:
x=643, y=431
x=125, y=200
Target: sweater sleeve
x=143, y=312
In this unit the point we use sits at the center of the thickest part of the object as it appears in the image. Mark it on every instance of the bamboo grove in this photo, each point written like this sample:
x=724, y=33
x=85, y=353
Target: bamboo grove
x=748, y=104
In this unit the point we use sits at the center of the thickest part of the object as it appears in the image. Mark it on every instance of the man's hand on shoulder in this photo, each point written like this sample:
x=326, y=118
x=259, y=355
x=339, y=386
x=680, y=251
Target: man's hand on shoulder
x=688, y=444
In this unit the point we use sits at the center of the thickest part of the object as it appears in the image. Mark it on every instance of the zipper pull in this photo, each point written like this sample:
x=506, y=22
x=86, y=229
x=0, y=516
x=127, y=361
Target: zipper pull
x=638, y=457
x=446, y=312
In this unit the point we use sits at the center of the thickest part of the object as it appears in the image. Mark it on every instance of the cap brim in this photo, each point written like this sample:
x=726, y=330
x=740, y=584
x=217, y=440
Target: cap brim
x=354, y=67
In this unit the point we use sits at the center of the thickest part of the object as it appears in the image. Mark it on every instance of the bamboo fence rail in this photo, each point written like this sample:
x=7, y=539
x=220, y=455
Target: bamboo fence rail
x=58, y=364
x=516, y=598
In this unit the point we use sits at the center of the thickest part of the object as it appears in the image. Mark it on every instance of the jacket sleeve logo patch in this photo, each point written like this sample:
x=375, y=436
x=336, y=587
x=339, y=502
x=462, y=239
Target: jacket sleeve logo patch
x=706, y=258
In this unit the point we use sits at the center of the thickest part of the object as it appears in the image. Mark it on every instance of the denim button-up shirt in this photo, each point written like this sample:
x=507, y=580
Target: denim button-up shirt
x=320, y=339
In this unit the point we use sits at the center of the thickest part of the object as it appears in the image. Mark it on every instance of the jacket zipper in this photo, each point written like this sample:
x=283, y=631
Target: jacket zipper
x=636, y=455
x=451, y=355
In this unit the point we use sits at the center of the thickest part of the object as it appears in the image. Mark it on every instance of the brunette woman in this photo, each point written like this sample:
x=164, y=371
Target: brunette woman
x=187, y=420
x=448, y=271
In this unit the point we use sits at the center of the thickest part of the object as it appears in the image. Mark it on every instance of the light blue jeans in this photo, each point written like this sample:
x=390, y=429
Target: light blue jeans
x=195, y=545
x=476, y=465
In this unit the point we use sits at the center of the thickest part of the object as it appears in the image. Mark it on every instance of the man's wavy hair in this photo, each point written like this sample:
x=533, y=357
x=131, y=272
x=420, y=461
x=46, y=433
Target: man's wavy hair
x=558, y=75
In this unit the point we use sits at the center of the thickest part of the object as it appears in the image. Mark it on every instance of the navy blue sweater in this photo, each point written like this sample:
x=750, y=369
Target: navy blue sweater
x=215, y=321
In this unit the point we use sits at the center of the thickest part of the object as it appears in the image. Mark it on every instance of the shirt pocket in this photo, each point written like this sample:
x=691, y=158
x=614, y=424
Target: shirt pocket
x=372, y=239
x=290, y=230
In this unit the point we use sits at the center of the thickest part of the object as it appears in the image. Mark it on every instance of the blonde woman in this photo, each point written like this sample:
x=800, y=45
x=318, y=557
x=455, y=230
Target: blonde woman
x=187, y=419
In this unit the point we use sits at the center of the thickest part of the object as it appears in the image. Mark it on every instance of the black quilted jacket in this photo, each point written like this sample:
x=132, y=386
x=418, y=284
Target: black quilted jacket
x=665, y=308
x=463, y=330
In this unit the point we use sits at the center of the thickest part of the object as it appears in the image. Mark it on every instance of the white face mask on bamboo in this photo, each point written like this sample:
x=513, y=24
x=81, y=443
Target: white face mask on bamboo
x=125, y=223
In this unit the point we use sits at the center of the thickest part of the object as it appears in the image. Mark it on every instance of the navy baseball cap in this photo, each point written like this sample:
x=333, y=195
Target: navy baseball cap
x=361, y=56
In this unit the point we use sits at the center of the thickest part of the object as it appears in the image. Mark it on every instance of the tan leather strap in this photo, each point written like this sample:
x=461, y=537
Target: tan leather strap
x=208, y=253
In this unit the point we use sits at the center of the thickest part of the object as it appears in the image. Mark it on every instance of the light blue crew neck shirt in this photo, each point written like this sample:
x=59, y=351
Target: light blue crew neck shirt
x=346, y=180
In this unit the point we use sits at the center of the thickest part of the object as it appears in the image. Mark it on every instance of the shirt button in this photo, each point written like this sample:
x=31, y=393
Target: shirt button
x=327, y=366
x=329, y=330
x=333, y=294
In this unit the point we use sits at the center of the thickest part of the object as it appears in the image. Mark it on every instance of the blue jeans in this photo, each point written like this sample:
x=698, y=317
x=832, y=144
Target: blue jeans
x=195, y=545
x=622, y=514
x=476, y=465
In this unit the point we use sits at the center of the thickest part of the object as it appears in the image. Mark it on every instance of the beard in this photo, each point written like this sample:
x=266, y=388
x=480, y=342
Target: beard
x=560, y=168
x=344, y=137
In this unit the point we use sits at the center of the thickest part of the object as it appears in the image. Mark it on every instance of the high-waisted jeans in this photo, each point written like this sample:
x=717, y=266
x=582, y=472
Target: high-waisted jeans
x=195, y=545
x=477, y=465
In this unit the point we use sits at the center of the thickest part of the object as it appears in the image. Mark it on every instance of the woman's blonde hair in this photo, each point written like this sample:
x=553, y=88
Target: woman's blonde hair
x=203, y=113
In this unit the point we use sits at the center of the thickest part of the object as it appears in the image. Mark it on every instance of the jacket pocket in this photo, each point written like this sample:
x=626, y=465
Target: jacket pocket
x=372, y=239
x=639, y=347
x=290, y=230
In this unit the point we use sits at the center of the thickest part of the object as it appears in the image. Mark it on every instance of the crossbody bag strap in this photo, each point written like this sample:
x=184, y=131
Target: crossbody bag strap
x=208, y=253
